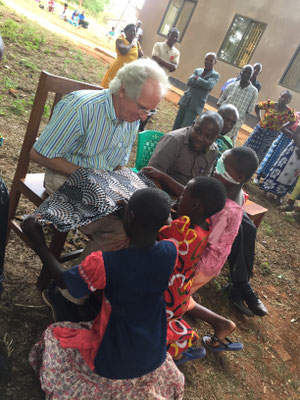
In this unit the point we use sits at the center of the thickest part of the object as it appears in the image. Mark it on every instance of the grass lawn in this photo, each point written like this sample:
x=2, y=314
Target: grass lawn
x=265, y=369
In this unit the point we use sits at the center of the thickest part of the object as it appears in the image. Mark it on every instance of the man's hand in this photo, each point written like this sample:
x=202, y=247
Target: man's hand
x=58, y=164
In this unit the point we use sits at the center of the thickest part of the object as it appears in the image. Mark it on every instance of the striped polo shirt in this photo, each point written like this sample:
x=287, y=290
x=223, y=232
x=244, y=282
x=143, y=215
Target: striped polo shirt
x=85, y=131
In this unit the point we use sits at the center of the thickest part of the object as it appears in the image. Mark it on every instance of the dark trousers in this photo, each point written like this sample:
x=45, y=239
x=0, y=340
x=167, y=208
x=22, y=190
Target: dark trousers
x=184, y=117
x=3, y=226
x=84, y=24
x=241, y=258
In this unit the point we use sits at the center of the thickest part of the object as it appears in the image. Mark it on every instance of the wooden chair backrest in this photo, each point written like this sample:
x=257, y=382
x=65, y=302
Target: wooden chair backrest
x=48, y=83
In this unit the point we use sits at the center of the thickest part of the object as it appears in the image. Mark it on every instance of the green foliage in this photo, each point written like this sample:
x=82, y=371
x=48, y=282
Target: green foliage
x=92, y=6
x=46, y=112
x=8, y=83
x=265, y=268
x=77, y=56
x=28, y=64
x=25, y=35
x=267, y=228
x=18, y=107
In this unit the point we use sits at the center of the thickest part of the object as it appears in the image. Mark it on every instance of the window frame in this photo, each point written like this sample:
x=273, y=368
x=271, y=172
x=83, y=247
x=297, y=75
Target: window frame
x=177, y=17
x=281, y=83
x=228, y=30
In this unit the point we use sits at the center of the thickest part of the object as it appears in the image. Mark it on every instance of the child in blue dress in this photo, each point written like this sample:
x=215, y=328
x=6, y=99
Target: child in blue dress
x=122, y=353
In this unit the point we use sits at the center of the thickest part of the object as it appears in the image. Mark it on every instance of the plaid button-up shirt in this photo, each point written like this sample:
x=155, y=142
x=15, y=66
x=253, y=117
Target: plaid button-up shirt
x=243, y=98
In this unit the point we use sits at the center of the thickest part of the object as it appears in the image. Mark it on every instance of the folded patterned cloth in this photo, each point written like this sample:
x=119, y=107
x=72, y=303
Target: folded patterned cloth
x=88, y=195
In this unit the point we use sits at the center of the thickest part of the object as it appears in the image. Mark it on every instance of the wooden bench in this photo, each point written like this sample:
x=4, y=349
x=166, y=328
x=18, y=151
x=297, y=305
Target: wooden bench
x=255, y=212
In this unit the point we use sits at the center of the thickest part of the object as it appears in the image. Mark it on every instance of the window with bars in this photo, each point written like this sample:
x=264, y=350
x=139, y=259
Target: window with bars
x=241, y=41
x=291, y=77
x=178, y=14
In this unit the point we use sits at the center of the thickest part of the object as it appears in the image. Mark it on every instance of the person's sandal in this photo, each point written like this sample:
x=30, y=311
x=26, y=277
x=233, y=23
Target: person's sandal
x=224, y=345
x=191, y=354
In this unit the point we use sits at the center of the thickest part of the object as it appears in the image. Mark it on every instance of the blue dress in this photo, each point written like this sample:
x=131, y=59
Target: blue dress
x=273, y=154
x=134, y=341
x=281, y=178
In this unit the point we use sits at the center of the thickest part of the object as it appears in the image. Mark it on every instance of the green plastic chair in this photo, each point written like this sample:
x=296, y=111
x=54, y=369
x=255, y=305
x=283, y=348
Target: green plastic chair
x=147, y=142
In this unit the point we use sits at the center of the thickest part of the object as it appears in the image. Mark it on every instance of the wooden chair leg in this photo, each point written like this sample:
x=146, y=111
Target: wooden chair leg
x=56, y=248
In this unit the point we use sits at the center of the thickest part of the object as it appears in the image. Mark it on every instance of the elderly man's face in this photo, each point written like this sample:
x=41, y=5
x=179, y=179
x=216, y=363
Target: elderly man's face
x=203, y=133
x=229, y=118
x=131, y=110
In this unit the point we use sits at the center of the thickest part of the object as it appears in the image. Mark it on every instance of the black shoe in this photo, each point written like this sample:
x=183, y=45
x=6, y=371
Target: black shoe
x=235, y=296
x=241, y=306
x=64, y=310
x=254, y=304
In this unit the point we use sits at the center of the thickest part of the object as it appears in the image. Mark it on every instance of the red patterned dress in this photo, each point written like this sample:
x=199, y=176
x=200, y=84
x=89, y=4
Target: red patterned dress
x=191, y=241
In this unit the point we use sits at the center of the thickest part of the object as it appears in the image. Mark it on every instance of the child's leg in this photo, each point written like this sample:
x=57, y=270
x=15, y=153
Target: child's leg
x=222, y=326
x=180, y=336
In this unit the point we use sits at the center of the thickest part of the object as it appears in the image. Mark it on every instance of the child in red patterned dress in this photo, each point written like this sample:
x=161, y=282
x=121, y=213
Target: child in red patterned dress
x=201, y=198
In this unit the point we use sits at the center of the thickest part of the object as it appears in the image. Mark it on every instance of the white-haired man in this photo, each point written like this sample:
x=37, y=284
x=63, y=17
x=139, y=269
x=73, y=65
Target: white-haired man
x=96, y=129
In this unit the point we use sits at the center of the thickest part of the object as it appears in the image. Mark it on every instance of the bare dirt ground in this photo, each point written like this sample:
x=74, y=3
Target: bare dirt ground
x=267, y=368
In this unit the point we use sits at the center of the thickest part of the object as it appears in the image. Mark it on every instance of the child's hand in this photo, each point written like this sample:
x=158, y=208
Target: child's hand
x=152, y=173
x=297, y=173
x=122, y=203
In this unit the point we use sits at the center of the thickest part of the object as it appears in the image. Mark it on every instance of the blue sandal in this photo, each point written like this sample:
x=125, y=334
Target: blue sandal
x=226, y=345
x=191, y=354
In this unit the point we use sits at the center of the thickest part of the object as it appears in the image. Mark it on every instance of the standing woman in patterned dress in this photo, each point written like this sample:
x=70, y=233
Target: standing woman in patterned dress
x=277, y=115
x=282, y=177
x=283, y=140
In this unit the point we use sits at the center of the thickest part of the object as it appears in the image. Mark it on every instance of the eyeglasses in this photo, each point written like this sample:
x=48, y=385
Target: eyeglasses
x=142, y=109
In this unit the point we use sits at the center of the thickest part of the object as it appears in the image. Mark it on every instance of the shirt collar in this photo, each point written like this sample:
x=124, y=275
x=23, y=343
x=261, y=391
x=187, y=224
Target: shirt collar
x=110, y=107
x=167, y=46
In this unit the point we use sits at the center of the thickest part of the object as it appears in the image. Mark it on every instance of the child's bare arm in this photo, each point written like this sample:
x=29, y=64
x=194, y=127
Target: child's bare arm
x=168, y=183
x=34, y=232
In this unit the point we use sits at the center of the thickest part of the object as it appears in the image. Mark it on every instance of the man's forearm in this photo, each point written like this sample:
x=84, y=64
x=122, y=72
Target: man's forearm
x=58, y=164
x=163, y=63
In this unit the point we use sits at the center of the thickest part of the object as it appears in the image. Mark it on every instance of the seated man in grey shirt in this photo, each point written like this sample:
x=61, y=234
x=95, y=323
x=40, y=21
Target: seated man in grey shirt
x=190, y=151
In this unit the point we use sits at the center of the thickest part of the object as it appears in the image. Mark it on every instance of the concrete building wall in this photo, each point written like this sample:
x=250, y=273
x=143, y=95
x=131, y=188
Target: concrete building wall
x=207, y=30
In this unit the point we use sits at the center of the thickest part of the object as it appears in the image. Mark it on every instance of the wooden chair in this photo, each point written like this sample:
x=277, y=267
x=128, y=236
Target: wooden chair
x=31, y=185
x=255, y=212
